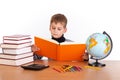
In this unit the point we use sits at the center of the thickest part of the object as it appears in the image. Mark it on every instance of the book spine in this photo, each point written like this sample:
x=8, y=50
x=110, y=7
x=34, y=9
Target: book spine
x=16, y=37
x=9, y=45
x=16, y=51
x=58, y=56
x=16, y=41
x=16, y=59
x=16, y=62
x=15, y=56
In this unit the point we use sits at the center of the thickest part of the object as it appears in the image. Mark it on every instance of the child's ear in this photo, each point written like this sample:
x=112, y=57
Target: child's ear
x=65, y=30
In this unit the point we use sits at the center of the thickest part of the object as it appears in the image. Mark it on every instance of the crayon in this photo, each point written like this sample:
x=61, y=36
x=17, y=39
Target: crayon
x=75, y=68
x=94, y=68
x=78, y=68
x=56, y=70
x=72, y=69
x=67, y=68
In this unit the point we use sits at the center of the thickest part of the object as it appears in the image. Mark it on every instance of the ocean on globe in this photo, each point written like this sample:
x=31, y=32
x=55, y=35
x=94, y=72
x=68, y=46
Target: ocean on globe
x=99, y=45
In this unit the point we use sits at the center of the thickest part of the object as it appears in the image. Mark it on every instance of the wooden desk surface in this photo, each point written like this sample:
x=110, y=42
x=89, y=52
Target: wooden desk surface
x=109, y=72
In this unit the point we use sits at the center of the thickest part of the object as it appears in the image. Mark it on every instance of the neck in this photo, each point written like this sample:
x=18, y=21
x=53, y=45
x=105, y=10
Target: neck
x=61, y=39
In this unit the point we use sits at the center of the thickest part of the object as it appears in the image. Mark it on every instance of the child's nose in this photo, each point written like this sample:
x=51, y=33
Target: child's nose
x=56, y=30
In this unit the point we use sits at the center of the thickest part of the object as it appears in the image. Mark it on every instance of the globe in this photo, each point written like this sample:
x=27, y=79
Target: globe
x=99, y=46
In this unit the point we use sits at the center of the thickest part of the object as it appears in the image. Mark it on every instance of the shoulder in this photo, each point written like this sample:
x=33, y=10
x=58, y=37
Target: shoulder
x=68, y=40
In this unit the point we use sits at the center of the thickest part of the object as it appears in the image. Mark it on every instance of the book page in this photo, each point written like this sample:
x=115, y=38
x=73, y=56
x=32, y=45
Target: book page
x=69, y=43
x=48, y=39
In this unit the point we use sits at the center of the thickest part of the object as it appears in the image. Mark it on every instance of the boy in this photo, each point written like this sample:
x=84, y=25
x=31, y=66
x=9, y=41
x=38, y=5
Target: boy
x=57, y=28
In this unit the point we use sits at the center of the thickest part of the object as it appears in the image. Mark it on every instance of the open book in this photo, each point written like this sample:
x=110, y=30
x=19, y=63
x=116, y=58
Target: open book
x=66, y=51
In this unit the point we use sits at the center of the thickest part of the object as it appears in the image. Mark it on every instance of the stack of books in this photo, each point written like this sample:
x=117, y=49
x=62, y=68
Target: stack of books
x=16, y=50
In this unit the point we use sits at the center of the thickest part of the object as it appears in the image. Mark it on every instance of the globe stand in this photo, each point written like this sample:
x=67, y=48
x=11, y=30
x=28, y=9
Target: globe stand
x=96, y=64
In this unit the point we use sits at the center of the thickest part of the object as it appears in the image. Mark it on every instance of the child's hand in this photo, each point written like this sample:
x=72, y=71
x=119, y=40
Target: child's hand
x=86, y=57
x=34, y=48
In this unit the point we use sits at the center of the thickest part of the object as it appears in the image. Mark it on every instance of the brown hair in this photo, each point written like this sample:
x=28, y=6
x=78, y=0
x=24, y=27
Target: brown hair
x=59, y=18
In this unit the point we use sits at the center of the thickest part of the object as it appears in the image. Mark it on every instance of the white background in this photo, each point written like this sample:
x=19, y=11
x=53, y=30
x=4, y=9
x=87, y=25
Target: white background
x=84, y=18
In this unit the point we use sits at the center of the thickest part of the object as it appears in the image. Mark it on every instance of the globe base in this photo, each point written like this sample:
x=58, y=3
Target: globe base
x=96, y=64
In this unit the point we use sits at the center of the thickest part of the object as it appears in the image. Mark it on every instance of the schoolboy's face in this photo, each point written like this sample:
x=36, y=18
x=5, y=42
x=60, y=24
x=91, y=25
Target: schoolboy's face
x=57, y=29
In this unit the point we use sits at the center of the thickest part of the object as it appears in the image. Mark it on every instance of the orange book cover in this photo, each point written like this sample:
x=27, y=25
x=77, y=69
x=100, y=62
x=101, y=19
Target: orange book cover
x=66, y=51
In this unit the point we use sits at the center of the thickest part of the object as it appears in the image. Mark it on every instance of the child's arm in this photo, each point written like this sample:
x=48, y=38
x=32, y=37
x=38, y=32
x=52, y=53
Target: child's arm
x=86, y=57
x=34, y=48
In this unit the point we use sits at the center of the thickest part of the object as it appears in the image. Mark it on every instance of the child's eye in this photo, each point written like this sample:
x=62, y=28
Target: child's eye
x=59, y=29
x=54, y=28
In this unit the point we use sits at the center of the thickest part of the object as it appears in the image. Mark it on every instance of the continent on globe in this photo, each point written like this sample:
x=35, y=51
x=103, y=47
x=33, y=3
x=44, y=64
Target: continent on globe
x=92, y=42
x=108, y=45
